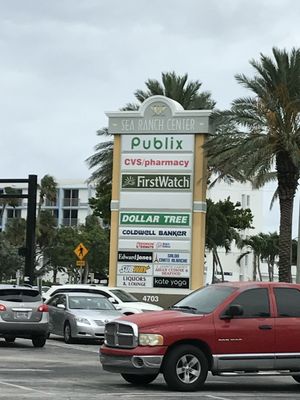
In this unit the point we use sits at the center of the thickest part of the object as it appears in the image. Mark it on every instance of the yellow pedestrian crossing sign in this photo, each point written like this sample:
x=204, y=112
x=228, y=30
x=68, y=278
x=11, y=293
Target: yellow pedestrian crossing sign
x=81, y=251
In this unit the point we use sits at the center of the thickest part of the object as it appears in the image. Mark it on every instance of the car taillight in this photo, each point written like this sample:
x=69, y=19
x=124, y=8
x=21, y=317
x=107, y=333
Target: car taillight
x=2, y=307
x=43, y=308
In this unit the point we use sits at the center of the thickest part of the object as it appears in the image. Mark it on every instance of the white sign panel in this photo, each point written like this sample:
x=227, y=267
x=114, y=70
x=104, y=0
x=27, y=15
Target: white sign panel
x=154, y=162
x=171, y=233
x=158, y=143
x=181, y=271
x=152, y=200
x=153, y=245
x=134, y=281
x=135, y=269
x=171, y=258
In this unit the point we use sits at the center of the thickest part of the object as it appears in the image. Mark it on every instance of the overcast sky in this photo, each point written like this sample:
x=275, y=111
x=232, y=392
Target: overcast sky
x=65, y=62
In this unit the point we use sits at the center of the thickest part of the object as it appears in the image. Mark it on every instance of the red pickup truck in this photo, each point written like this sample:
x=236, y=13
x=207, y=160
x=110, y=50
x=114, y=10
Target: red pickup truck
x=234, y=328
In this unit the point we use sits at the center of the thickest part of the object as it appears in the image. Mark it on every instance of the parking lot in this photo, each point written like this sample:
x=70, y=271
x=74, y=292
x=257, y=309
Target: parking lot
x=61, y=371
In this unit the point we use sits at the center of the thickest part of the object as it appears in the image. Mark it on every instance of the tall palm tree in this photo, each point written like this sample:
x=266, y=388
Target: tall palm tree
x=266, y=142
x=174, y=86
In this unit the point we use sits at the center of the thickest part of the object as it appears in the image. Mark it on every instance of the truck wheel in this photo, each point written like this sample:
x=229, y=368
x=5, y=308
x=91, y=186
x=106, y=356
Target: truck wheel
x=185, y=368
x=139, y=379
x=297, y=378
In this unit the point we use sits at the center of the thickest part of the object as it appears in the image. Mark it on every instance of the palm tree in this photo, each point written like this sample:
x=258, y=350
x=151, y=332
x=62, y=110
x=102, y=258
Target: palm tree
x=173, y=86
x=48, y=190
x=265, y=144
x=177, y=88
x=12, y=202
x=224, y=223
x=270, y=251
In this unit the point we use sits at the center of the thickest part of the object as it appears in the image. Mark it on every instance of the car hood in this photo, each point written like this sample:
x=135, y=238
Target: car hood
x=97, y=314
x=139, y=305
x=144, y=320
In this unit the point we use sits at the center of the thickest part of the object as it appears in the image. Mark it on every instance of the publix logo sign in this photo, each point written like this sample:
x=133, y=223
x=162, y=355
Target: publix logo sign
x=137, y=181
x=161, y=143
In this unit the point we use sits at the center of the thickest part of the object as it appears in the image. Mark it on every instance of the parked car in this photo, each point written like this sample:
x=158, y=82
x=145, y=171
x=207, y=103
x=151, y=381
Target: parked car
x=23, y=314
x=234, y=328
x=75, y=315
x=122, y=300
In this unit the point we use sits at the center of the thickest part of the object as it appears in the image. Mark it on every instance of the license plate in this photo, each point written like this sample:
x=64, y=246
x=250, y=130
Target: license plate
x=21, y=315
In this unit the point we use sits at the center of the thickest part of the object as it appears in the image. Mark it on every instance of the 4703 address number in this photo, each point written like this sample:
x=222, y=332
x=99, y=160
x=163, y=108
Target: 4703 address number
x=151, y=299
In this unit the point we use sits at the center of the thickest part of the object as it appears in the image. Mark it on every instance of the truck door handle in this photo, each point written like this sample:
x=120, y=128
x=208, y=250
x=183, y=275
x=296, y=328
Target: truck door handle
x=265, y=327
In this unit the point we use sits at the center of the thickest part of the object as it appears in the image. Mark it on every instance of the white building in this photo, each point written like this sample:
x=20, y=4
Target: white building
x=265, y=220
x=70, y=208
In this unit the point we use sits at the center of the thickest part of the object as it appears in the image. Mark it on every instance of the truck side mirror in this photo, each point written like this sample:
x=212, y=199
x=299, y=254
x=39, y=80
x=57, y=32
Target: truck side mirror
x=234, y=310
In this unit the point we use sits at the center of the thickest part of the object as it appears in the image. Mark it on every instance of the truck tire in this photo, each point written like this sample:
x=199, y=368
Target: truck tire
x=185, y=368
x=139, y=380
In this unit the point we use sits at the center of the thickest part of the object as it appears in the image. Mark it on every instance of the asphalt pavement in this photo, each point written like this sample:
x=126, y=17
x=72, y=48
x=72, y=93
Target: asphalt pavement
x=62, y=371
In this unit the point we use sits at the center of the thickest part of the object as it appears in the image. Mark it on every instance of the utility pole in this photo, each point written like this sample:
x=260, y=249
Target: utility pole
x=30, y=229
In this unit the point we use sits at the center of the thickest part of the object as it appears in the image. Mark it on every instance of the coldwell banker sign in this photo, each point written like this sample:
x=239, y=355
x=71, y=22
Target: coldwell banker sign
x=154, y=195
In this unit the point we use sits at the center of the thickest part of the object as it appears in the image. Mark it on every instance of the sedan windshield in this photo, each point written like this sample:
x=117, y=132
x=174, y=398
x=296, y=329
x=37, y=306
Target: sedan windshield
x=124, y=296
x=89, y=303
x=205, y=300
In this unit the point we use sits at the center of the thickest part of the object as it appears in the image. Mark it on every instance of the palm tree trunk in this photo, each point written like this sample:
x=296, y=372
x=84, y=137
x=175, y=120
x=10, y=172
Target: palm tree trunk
x=258, y=269
x=254, y=267
x=285, y=238
x=220, y=265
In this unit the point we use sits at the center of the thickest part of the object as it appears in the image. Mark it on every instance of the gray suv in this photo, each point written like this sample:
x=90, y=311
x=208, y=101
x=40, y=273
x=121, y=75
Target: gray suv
x=23, y=315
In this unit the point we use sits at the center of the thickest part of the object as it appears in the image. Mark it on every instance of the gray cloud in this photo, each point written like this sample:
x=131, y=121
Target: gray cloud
x=65, y=62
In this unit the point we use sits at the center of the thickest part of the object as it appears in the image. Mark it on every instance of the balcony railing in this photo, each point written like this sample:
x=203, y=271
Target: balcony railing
x=70, y=221
x=71, y=202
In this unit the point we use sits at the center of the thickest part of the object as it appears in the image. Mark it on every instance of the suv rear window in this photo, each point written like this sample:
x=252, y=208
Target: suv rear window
x=20, y=295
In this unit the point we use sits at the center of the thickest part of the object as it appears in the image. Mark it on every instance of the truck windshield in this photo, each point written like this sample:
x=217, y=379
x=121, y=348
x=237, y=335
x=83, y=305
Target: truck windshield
x=205, y=300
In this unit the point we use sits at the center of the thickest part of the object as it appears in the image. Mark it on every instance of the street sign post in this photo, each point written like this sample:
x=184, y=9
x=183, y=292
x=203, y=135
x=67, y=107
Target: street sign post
x=81, y=251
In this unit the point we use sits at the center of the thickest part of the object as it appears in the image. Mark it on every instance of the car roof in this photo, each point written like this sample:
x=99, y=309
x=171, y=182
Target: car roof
x=81, y=294
x=254, y=284
x=8, y=286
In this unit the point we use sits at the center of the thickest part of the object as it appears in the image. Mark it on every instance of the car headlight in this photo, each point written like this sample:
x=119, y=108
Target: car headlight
x=150, y=339
x=83, y=321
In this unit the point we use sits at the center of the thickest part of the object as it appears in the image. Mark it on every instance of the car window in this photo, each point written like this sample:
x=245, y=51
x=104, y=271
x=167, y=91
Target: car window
x=20, y=295
x=255, y=303
x=204, y=300
x=58, y=299
x=90, y=303
x=124, y=296
x=288, y=302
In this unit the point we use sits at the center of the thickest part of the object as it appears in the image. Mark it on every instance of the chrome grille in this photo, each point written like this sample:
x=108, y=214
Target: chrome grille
x=121, y=334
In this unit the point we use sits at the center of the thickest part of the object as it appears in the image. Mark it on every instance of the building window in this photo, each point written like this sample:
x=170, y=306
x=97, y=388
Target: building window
x=13, y=213
x=70, y=217
x=243, y=201
x=71, y=197
x=248, y=200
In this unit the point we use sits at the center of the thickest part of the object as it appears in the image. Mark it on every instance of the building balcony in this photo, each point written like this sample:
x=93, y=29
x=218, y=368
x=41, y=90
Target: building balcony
x=70, y=221
x=70, y=202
